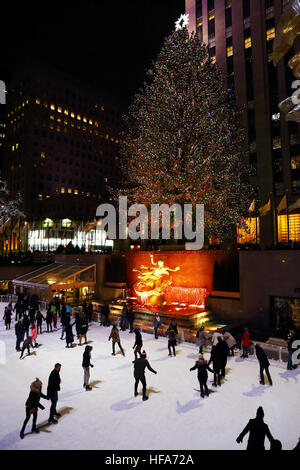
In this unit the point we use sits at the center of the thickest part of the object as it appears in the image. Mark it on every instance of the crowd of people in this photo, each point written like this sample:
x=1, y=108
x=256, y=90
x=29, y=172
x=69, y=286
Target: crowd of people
x=29, y=320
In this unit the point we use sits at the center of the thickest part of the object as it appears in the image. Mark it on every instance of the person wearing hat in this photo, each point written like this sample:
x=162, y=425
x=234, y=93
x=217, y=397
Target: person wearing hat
x=32, y=404
x=140, y=365
x=86, y=364
x=258, y=430
x=202, y=366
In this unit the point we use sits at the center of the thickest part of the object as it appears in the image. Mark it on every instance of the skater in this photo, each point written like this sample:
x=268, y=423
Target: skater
x=263, y=364
x=32, y=404
x=84, y=326
x=19, y=309
x=31, y=314
x=123, y=318
x=52, y=389
x=39, y=321
x=139, y=373
x=156, y=325
x=216, y=359
x=172, y=333
x=85, y=309
x=230, y=340
x=7, y=317
x=49, y=319
x=90, y=311
x=215, y=336
x=69, y=334
x=64, y=319
x=106, y=312
x=77, y=324
x=224, y=351
x=202, y=367
x=26, y=324
x=26, y=345
x=34, y=335
x=114, y=335
x=57, y=306
x=19, y=330
x=86, y=364
x=138, y=343
x=201, y=339
x=246, y=342
x=55, y=320
x=290, y=339
x=130, y=318
x=258, y=430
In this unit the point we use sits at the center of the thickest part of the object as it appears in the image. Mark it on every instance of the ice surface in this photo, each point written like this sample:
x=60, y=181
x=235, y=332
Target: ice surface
x=110, y=417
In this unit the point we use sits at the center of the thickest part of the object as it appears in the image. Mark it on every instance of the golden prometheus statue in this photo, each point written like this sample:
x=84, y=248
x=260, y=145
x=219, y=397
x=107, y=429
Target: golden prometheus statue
x=287, y=29
x=153, y=280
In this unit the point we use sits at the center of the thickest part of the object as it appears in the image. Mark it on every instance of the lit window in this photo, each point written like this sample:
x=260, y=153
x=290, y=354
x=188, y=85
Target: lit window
x=51, y=116
x=65, y=123
x=211, y=15
x=213, y=59
x=106, y=180
x=37, y=101
x=51, y=126
x=75, y=191
x=107, y=136
x=83, y=128
x=276, y=117
x=229, y=51
x=96, y=123
x=248, y=43
x=270, y=34
x=117, y=141
x=78, y=117
x=45, y=105
x=72, y=124
x=17, y=145
x=59, y=110
x=102, y=108
x=66, y=112
x=62, y=190
x=90, y=121
x=23, y=104
x=52, y=107
x=72, y=115
x=58, y=129
x=43, y=155
x=88, y=194
x=40, y=197
x=84, y=119
x=27, y=101
x=69, y=190
x=58, y=119
x=13, y=148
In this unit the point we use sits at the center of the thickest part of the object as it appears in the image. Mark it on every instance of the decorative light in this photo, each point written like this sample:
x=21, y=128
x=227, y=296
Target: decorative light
x=182, y=21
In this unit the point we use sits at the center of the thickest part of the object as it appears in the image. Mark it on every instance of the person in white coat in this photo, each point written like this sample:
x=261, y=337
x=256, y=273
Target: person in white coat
x=215, y=337
x=201, y=339
x=230, y=340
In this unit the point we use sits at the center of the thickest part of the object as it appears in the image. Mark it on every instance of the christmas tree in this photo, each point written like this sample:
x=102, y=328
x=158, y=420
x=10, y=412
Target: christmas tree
x=183, y=142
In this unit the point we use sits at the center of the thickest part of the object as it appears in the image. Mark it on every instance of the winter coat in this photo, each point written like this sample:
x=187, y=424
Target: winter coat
x=39, y=318
x=7, y=315
x=53, y=382
x=33, y=401
x=49, y=316
x=34, y=333
x=130, y=315
x=10, y=307
x=83, y=327
x=201, y=338
x=26, y=322
x=156, y=322
x=246, y=339
x=68, y=309
x=258, y=431
x=229, y=339
x=19, y=307
x=261, y=356
x=202, y=367
x=138, y=339
x=86, y=361
x=114, y=335
x=124, y=312
x=216, y=358
x=290, y=339
x=65, y=318
x=19, y=329
x=139, y=368
x=69, y=333
x=27, y=342
x=171, y=333
x=214, y=338
x=224, y=350
x=31, y=315
x=53, y=309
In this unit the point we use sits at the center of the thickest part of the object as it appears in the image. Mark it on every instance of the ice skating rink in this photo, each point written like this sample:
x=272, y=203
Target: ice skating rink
x=110, y=417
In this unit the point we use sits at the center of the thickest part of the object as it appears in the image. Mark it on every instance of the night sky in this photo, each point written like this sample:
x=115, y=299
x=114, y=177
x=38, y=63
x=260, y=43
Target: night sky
x=109, y=44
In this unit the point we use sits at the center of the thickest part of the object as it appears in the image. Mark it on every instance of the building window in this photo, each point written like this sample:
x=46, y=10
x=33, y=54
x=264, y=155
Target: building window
x=248, y=43
x=59, y=110
x=250, y=233
x=270, y=34
x=293, y=229
x=52, y=107
x=229, y=51
x=37, y=101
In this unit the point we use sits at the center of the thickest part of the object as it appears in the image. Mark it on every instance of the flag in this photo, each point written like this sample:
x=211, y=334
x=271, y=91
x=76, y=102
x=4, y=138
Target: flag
x=296, y=205
x=265, y=209
x=283, y=204
x=252, y=206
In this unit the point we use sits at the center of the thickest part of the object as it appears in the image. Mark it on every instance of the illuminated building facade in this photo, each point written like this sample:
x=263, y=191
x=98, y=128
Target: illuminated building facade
x=240, y=35
x=61, y=149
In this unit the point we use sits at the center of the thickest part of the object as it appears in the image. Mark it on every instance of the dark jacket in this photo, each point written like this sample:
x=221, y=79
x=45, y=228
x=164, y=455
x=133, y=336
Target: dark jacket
x=27, y=342
x=172, y=333
x=258, y=431
x=138, y=339
x=19, y=308
x=69, y=333
x=39, y=318
x=84, y=326
x=223, y=351
x=86, y=361
x=261, y=356
x=202, y=367
x=19, y=329
x=130, y=315
x=26, y=322
x=64, y=318
x=139, y=367
x=53, y=382
x=49, y=316
x=33, y=401
x=7, y=315
x=216, y=357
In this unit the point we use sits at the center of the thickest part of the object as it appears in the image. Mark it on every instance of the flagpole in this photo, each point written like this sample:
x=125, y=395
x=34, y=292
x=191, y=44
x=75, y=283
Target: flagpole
x=287, y=216
x=273, y=208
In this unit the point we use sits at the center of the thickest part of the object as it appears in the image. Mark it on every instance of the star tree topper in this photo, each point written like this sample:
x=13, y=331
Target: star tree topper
x=182, y=21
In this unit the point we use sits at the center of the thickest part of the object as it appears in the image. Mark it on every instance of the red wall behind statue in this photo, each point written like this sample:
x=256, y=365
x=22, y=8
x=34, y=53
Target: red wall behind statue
x=196, y=267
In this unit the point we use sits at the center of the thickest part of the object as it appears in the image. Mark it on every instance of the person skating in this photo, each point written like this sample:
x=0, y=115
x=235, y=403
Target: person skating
x=7, y=317
x=172, y=333
x=215, y=336
x=156, y=324
x=49, y=319
x=130, y=318
x=32, y=404
x=231, y=342
x=34, y=335
x=138, y=343
x=224, y=351
x=19, y=309
x=69, y=334
x=263, y=364
x=258, y=430
x=55, y=317
x=26, y=345
x=114, y=335
x=84, y=326
x=26, y=324
x=245, y=342
x=290, y=340
x=90, y=311
x=19, y=330
x=64, y=320
x=202, y=366
x=140, y=365
x=39, y=321
x=106, y=312
x=216, y=359
x=31, y=314
x=86, y=364
x=123, y=318
x=77, y=324
x=52, y=392
x=201, y=339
